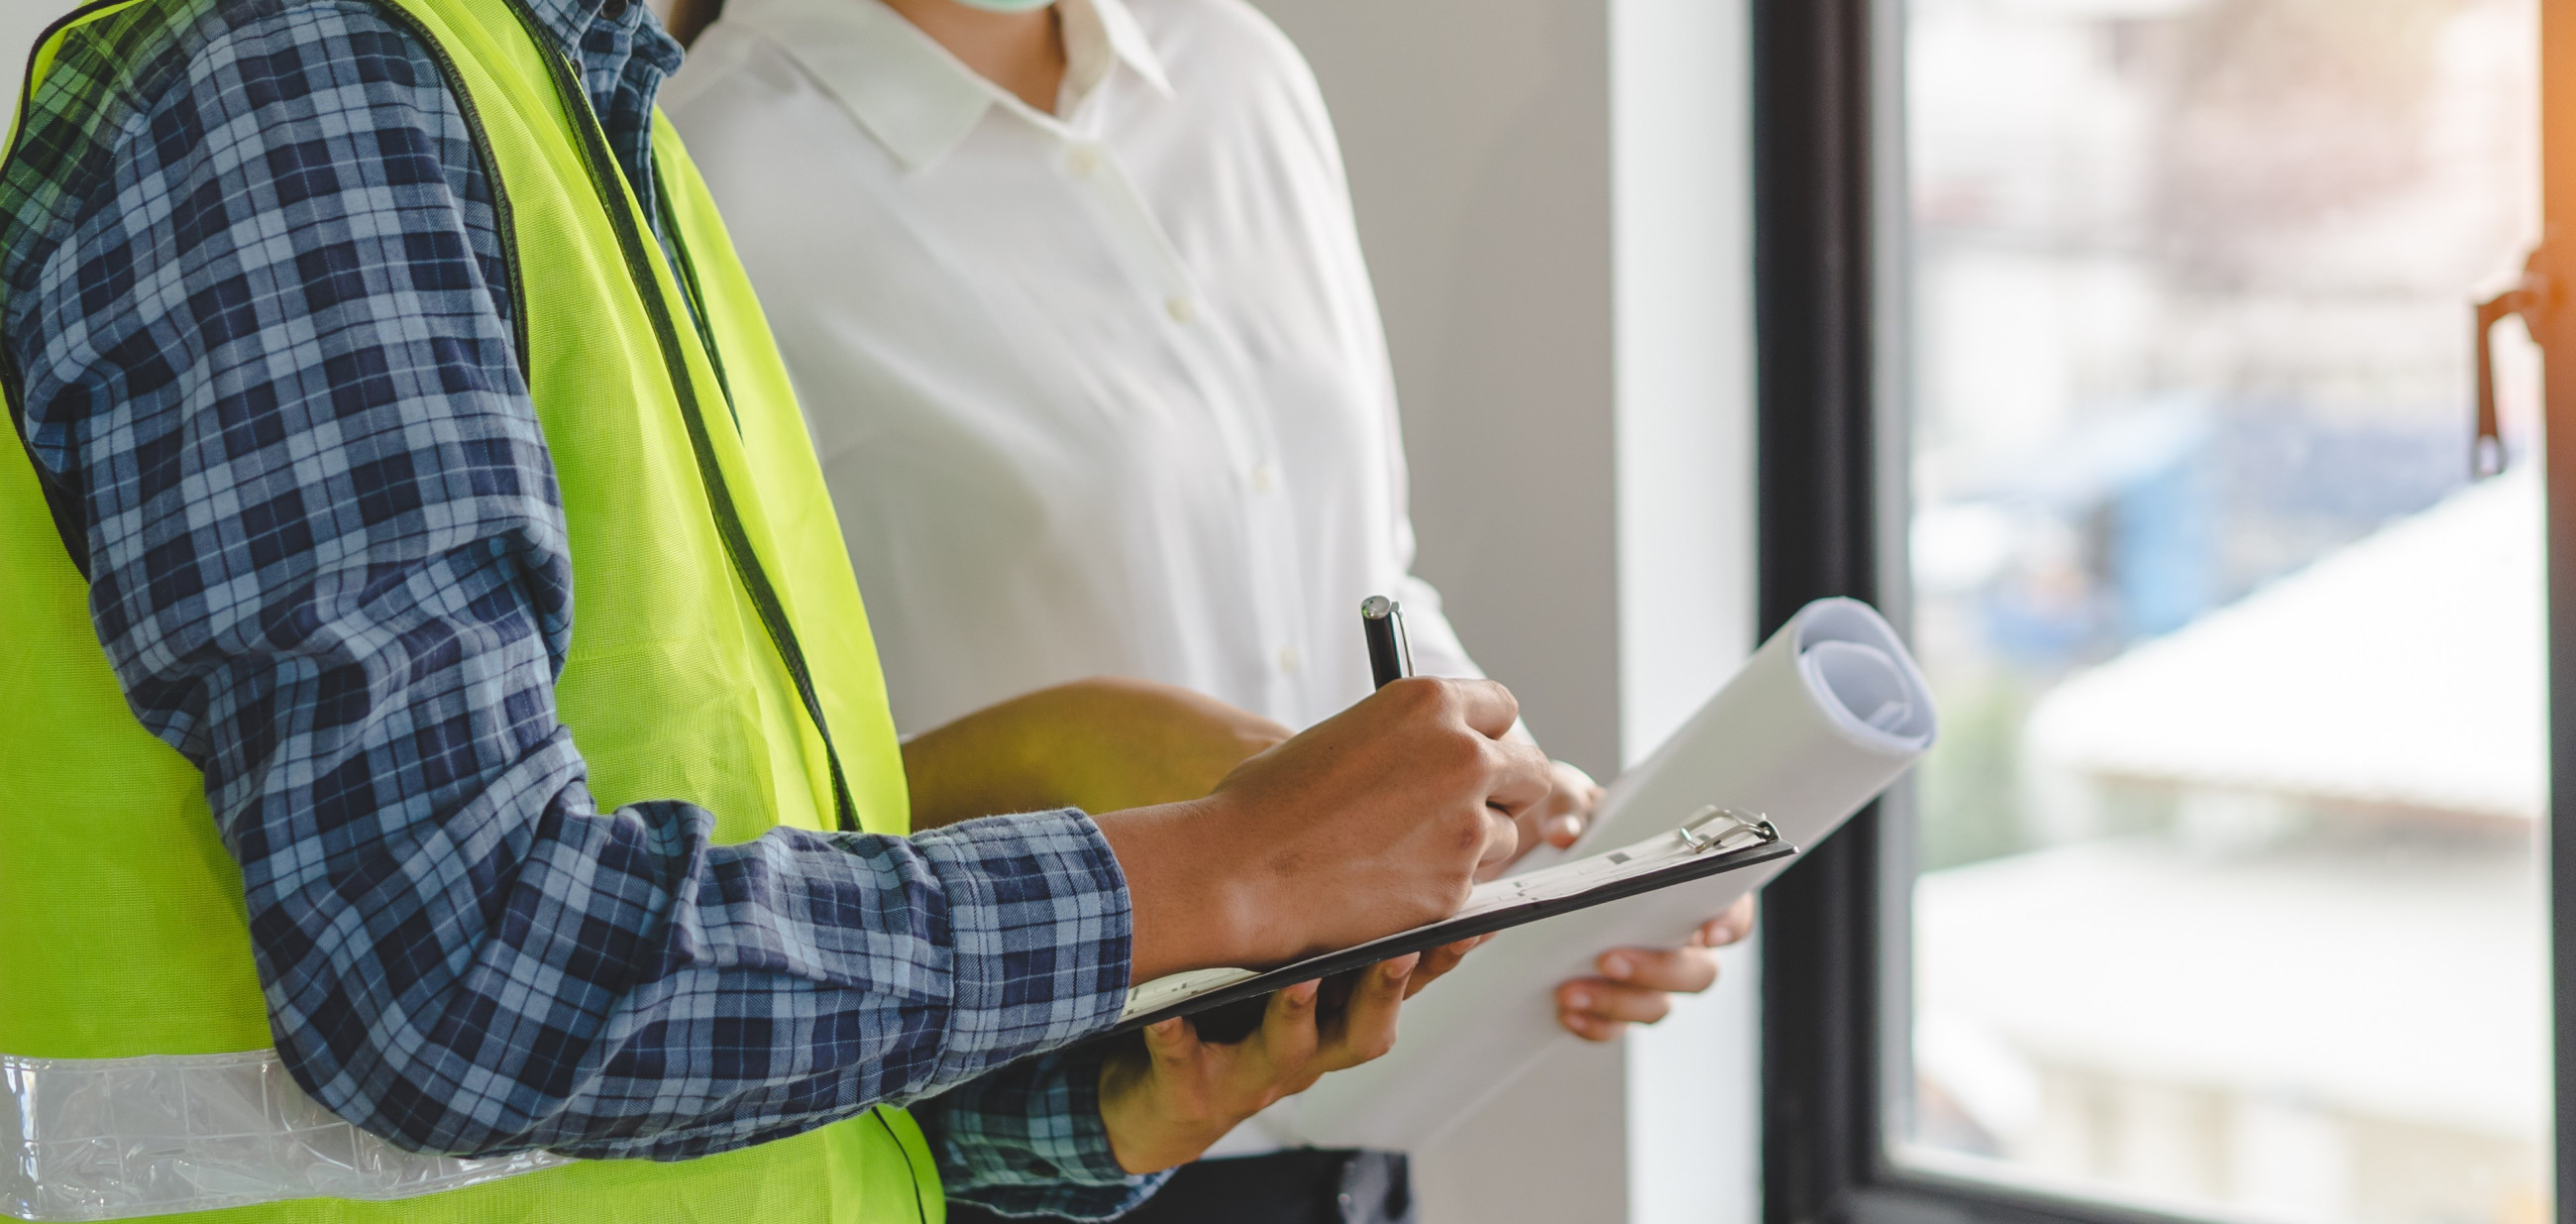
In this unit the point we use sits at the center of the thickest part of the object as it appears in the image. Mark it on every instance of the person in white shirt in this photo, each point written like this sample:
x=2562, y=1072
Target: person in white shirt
x=1073, y=297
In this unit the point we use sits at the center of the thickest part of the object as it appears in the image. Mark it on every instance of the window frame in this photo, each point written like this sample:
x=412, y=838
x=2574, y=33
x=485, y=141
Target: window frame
x=1829, y=244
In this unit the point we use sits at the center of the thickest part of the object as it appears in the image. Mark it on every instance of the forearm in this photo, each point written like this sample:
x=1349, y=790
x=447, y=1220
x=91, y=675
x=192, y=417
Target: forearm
x=998, y=760
x=1193, y=903
x=1104, y=744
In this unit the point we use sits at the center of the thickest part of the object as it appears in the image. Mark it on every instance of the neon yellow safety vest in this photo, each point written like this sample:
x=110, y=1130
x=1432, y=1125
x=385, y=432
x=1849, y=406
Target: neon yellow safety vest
x=717, y=634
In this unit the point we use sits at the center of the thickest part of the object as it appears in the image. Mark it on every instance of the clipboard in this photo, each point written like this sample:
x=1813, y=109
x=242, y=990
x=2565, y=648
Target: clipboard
x=1712, y=841
x=1806, y=732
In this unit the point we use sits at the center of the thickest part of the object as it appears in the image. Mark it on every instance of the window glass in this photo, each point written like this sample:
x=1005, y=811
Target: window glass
x=2228, y=900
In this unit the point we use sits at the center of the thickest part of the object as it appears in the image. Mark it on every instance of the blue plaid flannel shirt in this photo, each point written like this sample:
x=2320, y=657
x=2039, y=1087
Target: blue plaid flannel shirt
x=259, y=332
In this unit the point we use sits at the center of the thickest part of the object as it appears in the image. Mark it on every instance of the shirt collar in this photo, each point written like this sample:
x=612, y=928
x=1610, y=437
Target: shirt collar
x=1124, y=41
x=621, y=55
x=567, y=20
x=914, y=97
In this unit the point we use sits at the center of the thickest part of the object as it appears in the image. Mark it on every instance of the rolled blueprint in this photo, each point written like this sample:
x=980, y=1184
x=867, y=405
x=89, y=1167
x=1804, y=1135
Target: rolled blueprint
x=1819, y=721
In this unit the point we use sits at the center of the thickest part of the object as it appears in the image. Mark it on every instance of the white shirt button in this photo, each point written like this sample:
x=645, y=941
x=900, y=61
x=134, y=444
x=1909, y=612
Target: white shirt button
x=1264, y=477
x=1288, y=660
x=1082, y=161
x=1182, y=310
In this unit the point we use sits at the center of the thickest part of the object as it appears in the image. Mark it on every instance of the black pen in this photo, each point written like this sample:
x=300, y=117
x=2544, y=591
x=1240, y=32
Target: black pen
x=1390, y=654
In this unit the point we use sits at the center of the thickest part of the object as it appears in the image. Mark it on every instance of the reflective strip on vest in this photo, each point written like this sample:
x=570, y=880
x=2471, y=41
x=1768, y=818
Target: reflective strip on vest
x=116, y=1138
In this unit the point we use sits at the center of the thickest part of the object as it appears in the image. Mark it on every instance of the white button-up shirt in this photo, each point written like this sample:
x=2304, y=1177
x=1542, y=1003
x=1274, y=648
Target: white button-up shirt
x=1104, y=393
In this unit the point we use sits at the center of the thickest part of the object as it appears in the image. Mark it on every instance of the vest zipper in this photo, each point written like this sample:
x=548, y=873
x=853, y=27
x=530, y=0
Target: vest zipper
x=606, y=179
x=697, y=294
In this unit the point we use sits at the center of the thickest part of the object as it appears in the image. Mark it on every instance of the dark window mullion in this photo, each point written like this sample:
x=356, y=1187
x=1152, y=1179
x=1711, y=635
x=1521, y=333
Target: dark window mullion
x=1817, y=504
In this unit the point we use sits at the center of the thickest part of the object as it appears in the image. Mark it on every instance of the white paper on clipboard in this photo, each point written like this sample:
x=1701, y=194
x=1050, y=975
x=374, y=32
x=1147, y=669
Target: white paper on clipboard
x=1821, y=719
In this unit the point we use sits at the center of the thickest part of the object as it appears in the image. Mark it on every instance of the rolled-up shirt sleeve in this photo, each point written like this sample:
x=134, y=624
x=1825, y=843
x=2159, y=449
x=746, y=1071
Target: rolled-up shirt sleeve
x=266, y=362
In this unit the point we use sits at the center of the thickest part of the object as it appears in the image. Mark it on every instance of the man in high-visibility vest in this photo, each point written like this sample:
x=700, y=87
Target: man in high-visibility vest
x=443, y=769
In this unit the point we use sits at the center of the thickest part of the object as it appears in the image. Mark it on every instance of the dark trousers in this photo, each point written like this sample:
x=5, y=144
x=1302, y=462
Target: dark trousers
x=1295, y=1187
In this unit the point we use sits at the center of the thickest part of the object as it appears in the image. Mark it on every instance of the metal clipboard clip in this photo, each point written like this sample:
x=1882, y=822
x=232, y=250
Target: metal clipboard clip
x=1713, y=827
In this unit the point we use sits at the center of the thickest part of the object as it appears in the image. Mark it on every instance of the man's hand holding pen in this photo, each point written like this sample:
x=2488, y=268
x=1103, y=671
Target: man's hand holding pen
x=1371, y=822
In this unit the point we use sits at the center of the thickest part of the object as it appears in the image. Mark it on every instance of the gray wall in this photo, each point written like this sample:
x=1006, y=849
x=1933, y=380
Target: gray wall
x=1478, y=138
x=1477, y=133
x=1551, y=194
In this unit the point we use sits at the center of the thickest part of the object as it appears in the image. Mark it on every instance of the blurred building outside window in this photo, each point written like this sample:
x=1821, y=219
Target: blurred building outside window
x=2228, y=899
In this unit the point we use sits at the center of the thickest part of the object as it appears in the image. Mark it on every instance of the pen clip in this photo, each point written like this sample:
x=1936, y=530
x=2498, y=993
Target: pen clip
x=1390, y=651
x=1712, y=826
